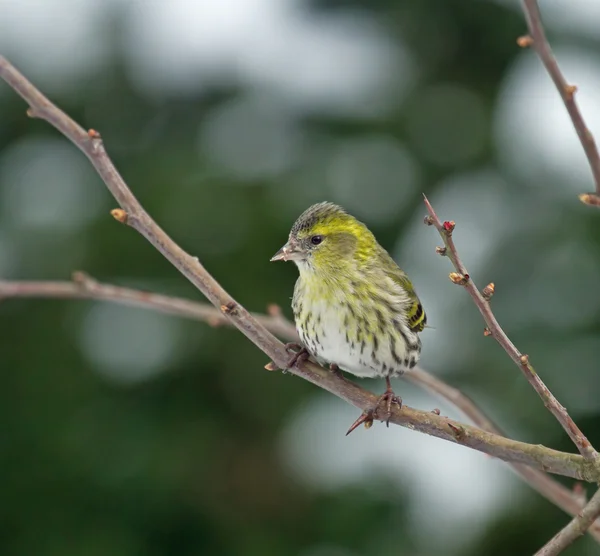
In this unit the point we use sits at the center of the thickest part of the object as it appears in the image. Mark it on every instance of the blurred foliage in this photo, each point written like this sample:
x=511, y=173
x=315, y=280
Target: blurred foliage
x=178, y=452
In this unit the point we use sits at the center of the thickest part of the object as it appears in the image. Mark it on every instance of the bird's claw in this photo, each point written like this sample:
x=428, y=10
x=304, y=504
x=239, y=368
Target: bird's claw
x=336, y=370
x=389, y=398
x=299, y=354
x=386, y=399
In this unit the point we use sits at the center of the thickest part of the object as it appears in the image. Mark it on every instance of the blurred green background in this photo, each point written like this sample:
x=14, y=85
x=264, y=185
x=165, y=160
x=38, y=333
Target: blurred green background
x=125, y=432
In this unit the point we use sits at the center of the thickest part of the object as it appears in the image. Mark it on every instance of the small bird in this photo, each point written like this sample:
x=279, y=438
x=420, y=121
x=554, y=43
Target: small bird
x=354, y=308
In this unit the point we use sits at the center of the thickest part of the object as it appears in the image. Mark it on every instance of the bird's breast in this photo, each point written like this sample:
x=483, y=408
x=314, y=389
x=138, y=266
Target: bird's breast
x=364, y=339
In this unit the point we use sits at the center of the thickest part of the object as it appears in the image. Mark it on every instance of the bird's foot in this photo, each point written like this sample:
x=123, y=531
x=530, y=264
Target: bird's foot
x=299, y=354
x=388, y=398
x=385, y=400
x=336, y=371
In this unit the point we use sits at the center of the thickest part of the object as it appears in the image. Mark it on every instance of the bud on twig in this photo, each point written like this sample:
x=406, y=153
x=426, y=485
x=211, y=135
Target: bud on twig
x=524, y=360
x=270, y=366
x=441, y=251
x=525, y=41
x=459, y=432
x=119, y=215
x=458, y=279
x=428, y=221
x=570, y=90
x=488, y=291
x=229, y=308
x=590, y=199
x=449, y=226
x=487, y=331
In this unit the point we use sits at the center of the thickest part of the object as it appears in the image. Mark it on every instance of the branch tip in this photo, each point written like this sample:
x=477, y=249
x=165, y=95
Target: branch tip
x=274, y=310
x=119, y=215
x=214, y=322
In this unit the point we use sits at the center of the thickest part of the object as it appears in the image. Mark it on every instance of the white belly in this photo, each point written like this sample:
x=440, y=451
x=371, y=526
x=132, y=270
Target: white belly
x=335, y=342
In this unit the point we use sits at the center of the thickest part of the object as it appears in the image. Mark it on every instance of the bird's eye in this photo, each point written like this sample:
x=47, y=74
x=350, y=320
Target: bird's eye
x=315, y=240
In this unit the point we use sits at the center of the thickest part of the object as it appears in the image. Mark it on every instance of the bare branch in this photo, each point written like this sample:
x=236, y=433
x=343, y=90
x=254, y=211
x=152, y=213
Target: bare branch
x=577, y=527
x=132, y=214
x=539, y=42
x=85, y=287
x=462, y=278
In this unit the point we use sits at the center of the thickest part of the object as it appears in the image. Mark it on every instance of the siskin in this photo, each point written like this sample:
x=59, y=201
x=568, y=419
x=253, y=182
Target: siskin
x=354, y=308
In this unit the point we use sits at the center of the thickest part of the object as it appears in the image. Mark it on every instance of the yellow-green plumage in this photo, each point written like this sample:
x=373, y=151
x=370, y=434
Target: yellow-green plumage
x=353, y=306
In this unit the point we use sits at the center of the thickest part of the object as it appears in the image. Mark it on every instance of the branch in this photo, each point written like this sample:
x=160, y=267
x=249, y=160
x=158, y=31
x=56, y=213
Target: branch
x=552, y=490
x=132, y=213
x=84, y=287
x=538, y=40
x=577, y=527
x=461, y=277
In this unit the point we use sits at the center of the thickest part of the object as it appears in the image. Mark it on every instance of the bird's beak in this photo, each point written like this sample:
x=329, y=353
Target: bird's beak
x=289, y=252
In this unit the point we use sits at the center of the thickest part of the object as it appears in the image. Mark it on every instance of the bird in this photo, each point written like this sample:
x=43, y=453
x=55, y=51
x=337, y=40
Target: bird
x=354, y=308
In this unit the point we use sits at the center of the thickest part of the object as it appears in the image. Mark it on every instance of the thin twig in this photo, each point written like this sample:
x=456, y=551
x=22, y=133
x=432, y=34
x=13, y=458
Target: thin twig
x=551, y=489
x=567, y=93
x=461, y=277
x=135, y=216
x=85, y=287
x=576, y=528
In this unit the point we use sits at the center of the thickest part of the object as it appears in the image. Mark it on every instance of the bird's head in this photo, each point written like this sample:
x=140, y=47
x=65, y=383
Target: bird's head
x=326, y=237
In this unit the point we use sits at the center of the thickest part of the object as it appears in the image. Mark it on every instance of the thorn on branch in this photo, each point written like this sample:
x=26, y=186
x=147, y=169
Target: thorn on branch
x=441, y=251
x=487, y=331
x=458, y=432
x=449, y=226
x=270, y=366
x=590, y=199
x=428, y=221
x=525, y=41
x=488, y=291
x=366, y=418
x=458, y=279
x=119, y=215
